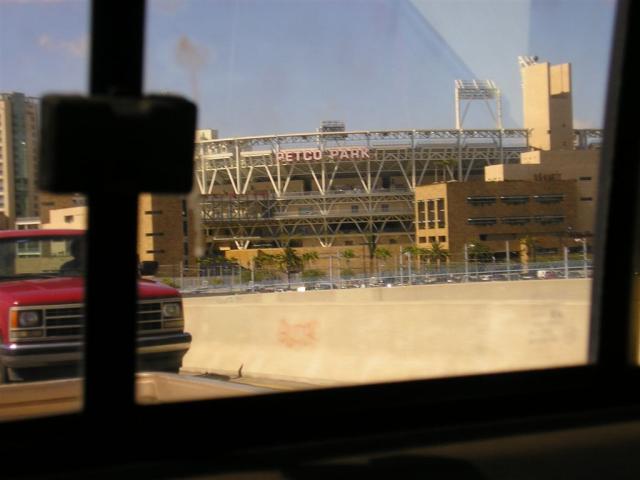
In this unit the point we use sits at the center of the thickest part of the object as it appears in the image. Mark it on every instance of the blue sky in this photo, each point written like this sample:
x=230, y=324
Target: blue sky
x=263, y=67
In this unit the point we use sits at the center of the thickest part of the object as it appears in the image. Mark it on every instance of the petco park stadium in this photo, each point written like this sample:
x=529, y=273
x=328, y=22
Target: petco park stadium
x=334, y=187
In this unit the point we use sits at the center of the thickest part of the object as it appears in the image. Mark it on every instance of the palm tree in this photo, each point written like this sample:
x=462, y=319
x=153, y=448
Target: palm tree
x=309, y=257
x=348, y=255
x=437, y=253
x=289, y=262
x=381, y=254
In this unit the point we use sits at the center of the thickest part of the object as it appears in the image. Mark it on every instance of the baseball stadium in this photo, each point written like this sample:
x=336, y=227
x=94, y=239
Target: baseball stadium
x=334, y=188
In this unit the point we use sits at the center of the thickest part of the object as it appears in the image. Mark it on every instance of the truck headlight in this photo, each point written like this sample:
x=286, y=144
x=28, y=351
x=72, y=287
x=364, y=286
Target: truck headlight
x=29, y=319
x=171, y=310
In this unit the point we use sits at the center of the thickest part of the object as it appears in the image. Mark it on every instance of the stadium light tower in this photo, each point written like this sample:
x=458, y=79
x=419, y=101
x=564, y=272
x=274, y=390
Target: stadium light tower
x=485, y=90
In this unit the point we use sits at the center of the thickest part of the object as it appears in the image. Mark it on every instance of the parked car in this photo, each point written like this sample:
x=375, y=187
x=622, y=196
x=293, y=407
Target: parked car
x=42, y=309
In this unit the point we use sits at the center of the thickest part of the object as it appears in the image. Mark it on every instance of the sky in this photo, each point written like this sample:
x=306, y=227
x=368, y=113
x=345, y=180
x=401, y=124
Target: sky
x=260, y=67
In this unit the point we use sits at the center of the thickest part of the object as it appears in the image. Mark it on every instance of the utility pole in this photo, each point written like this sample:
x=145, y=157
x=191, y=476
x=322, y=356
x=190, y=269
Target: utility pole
x=253, y=274
x=331, y=271
x=466, y=262
x=508, y=257
x=584, y=256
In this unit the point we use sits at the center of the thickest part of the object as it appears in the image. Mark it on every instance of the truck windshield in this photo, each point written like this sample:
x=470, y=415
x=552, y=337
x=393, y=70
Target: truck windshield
x=41, y=257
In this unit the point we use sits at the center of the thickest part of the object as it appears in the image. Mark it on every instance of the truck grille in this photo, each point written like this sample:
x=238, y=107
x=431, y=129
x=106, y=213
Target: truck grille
x=68, y=321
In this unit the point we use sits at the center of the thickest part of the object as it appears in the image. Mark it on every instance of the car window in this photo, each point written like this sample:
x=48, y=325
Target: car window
x=44, y=49
x=384, y=190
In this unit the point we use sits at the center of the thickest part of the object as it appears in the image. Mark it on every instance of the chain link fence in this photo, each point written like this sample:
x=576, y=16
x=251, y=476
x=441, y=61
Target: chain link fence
x=232, y=278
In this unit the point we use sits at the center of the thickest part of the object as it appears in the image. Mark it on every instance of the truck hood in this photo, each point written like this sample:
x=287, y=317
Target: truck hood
x=68, y=290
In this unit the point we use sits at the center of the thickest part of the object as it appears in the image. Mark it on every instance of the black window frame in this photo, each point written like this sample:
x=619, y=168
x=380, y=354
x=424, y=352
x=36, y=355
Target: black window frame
x=355, y=418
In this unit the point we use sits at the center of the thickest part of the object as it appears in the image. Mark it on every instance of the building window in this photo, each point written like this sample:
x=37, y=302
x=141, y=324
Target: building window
x=586, y=179
x=515, y=220
x=586, y=199
x=68, y=219
x=155, y=251
x=480, y=200
x=552, y=198
x=432, y=239
x=422, y=239
x=348, y=242
x=153, y=212
x=431, y=214
x=392, y=241
x=515, y=199
x=441, y=215
x=154, y=234
x=442, y=238
x=482, y=221
x=550, y=219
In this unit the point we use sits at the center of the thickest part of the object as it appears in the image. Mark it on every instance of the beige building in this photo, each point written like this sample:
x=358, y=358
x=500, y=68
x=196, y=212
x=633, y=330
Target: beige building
x=548, y=106
x=74, y=218
x=54, y=201
x=165, y=225
x=18, y=156
x=166, y=230
x=580, y=166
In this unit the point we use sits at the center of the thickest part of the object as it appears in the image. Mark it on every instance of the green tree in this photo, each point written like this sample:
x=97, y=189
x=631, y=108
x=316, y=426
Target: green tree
x=437, y=253
x=348, y=255
x=289, y=262
x=264, y=263
x=381, y=255
x=309, y=257
x=478, y=252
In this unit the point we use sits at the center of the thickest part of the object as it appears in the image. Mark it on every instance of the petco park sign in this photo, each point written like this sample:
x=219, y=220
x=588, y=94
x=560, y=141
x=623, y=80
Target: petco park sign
x=314, y=154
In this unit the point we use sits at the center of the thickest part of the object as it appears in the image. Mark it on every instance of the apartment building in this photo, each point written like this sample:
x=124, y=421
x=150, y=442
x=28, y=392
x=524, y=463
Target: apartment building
x=18, y=156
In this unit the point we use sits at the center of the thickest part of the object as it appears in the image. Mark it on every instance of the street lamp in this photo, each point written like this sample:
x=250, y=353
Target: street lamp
x=583, y=241
x=408, y=254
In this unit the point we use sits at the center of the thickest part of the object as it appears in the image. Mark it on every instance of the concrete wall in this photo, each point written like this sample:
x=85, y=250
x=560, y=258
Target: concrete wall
x=371, y=335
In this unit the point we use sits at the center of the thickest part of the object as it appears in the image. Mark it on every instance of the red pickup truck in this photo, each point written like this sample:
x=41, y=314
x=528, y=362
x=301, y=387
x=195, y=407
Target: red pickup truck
x=42, y=311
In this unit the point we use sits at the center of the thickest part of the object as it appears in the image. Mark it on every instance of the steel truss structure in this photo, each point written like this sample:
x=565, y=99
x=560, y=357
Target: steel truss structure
x=383, y=169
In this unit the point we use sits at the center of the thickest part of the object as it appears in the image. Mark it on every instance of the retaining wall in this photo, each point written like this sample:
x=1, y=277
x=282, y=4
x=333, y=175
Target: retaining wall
x=380, y=334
